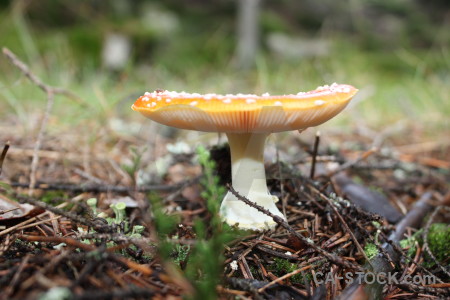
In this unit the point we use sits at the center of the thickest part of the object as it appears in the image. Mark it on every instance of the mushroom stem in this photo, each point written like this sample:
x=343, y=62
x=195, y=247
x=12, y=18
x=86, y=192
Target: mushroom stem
x=249, y=179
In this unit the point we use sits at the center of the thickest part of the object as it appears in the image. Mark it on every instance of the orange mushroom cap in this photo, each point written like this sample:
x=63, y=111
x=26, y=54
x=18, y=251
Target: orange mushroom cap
x=243, y=113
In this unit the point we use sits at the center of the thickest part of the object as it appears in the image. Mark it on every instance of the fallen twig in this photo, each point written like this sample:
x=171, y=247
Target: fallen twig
x=95, y=188
x=12, y=285
x=351, y=163
x=413, y=218
x=97, y=225
x=288, y=275
x=3, y=155
x=57, y=239
x=9, y=210
x=314, y=156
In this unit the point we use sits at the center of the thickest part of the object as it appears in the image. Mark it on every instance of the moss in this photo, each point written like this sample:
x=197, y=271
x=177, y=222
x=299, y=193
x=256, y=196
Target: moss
x=410, y=244
x=283, y=266
x=438, y=242
x=54, y=197
x=371, y=250
x=254, y=271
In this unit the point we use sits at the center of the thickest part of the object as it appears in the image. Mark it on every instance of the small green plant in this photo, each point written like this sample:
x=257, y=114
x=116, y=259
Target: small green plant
x=213, y=192
x=370, y=250
x=164, y=223
x=206, y=274
x=53, y=197
x=136, y=158
x=181, y=253
x=211, y=235
x=409, y=244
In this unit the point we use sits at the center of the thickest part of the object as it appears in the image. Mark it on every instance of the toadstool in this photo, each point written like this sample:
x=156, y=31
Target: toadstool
x=247, y=120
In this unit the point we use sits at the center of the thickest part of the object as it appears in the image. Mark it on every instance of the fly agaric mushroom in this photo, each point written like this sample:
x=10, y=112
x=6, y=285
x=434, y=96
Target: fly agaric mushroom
x=247, y=120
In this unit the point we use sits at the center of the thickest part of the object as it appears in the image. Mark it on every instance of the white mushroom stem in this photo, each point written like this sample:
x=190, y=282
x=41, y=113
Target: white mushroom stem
x=249, y=179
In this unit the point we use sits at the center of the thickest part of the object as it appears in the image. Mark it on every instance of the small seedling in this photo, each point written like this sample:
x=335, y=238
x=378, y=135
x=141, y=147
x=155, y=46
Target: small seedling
x=136, y=158
x=205, y=275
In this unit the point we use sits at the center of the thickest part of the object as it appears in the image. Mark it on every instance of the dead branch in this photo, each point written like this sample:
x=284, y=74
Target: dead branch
x=97, y=225
x=288, y=275
x=314, y=156
x=50, y=92
x=351, y=163
x=15, y=280
x=280, y=178
x=58, y=240
x=3, y=155
x=344, y=224
x=94, y=188
x=425, y=240
x=335, y=259
x=413, y=218
x=34, y=79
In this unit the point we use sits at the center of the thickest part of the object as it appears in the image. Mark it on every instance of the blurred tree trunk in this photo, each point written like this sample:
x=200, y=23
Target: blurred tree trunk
x=247, y=32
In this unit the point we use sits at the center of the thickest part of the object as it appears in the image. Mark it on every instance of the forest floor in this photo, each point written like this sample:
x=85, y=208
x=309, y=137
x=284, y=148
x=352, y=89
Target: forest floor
x=56, y=241
x=119, y=217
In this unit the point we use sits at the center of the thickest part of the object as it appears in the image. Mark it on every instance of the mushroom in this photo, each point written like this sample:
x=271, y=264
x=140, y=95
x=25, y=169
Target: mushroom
x=247, y=120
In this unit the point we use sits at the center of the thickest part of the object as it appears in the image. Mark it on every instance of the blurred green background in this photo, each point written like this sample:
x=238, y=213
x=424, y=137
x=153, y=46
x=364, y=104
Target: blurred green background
x=109, y=52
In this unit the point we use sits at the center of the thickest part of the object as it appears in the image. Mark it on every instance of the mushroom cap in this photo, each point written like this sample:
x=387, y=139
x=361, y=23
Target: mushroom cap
x=243, y=113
